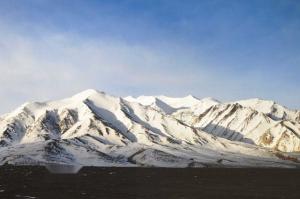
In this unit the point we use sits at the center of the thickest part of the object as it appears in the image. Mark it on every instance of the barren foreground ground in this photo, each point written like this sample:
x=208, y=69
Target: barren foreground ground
x=90, y=182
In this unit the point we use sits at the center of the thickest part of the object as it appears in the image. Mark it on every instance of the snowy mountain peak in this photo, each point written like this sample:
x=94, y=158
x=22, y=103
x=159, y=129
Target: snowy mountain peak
x=210, y=99
x=170, y=105
x=166, y=104
x=191, y=97
x=256, y=102
x=86, y=94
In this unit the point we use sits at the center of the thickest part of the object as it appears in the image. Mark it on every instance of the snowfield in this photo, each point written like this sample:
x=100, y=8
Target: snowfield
x=96, y=129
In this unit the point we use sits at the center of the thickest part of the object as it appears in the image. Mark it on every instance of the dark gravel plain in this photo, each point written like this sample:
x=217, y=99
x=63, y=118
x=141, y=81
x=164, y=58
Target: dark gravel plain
x=156, y=183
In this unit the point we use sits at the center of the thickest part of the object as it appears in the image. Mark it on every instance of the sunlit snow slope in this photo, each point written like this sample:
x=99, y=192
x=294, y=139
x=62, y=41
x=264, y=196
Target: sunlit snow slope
x=94, y=128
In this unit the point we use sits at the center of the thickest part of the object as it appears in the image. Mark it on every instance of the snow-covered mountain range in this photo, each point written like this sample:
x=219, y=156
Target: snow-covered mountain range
x=96, y=129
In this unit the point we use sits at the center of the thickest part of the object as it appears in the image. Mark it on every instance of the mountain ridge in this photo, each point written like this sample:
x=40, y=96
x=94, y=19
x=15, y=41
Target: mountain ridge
x=94, y=128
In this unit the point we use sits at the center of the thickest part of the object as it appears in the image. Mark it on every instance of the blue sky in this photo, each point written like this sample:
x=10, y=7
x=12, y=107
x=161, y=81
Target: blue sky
x=226, y=49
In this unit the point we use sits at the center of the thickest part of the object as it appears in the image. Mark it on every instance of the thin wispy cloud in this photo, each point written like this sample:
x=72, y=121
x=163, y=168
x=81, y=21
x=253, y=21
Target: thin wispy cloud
x=225, y=50
x=59, y=65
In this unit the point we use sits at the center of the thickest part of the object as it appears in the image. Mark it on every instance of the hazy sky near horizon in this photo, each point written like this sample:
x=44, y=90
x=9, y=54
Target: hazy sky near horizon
x=226, y=49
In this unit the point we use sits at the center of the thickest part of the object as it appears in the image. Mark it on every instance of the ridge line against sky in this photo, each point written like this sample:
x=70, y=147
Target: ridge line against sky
x=228, y=50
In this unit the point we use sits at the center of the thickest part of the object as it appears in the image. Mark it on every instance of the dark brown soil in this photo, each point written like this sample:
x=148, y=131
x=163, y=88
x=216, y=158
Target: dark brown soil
x=154, y=183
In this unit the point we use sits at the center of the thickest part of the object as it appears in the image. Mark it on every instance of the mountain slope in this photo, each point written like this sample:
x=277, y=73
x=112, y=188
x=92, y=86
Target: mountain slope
x=272, y=109
x=255, y=121
x=94, y=128
x=262, y=124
